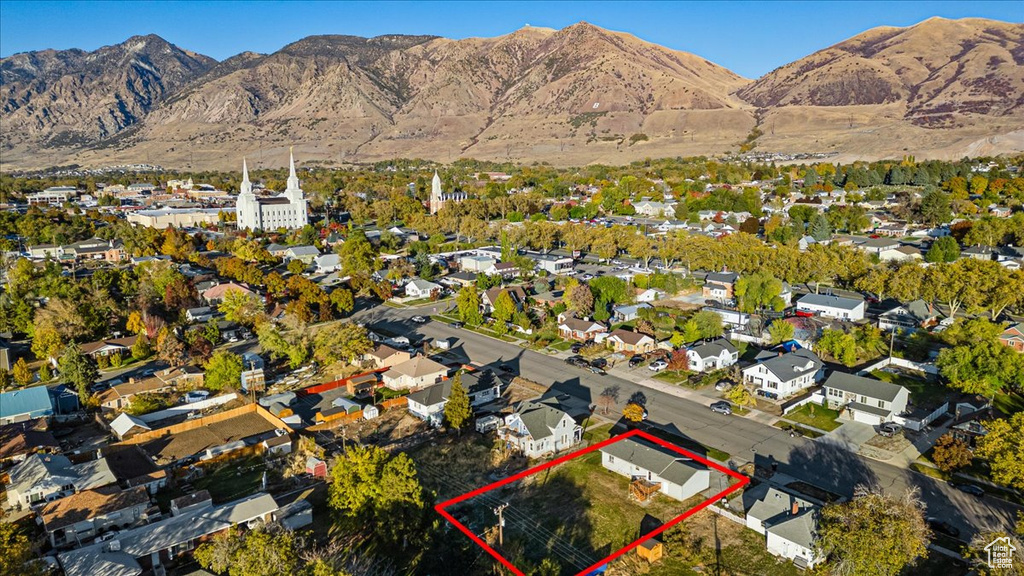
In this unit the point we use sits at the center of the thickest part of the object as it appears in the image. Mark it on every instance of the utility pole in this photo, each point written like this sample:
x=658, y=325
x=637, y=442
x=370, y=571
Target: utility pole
x=501, y=523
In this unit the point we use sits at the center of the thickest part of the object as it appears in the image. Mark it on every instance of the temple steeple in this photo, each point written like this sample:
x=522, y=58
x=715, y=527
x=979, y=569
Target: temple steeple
x=246, y=187
x=293, y=179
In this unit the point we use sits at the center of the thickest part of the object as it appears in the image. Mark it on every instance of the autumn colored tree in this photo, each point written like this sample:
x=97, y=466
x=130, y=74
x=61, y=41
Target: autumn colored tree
x=848, y=533
x=633, y=412
x=22, y=375
x=950, y=454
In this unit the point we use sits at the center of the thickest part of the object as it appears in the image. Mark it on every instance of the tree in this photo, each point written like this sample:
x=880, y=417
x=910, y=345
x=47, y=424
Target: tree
x=241, y=307
x=370, y=488
x=740, y=396
x=874, y=534
x=5, y=380
x=950, y=454
x=345, y=341
x=296, y=266
x=22, y=375
x=608, y=398
x=16, y=557
x=457, y=410
x=944, y=249
x=633, y=412
x=468, y=303
x=45, y=372
x=580, y=299
x=691, y=331
x=223, y=369
x=781, y=331
x=709, y=324
x=141, y=349
x=820, y=229
x=983, y=367
x=171, y=350
x=256, y=553
x=342, y=301
x=758, y=291
x=135, y=324
x=504, y=307
x=1003, y=447
x=77, y=371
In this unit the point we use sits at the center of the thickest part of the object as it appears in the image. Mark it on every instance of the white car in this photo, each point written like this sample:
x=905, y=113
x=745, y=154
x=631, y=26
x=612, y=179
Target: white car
x=658, y=366
x=419, y=319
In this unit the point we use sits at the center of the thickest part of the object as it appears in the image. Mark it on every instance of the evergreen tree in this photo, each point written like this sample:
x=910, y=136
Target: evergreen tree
x=457, y=410
x=820, y=229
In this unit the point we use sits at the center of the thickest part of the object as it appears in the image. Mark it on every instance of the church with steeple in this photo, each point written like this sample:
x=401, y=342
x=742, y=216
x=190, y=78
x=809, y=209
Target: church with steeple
x=287, y=210
x=439, y=198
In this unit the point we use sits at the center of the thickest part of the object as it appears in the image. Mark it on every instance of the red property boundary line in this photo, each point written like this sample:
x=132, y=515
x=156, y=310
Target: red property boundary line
x=742, y=481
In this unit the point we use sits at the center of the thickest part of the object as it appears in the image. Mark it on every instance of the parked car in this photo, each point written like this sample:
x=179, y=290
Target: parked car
x=573, y=359
x=597, y=371
x=599, y=363
x=889, y=429
x=723, y=385
x=636, y=361
x=457, y=324
x=576, y=347
x=419, y=319
x=722, y=407
x=969, y=489
x=942, y=527
x=581, y=363
x=658, y=366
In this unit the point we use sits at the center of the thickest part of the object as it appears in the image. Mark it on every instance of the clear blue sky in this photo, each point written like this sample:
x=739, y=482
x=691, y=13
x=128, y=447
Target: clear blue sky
x=750, y=38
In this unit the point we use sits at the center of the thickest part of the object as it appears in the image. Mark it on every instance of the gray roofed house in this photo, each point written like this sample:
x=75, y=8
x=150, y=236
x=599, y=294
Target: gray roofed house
x=163, y=540
x=629, y=312
x=428, y=404
x=536, y=429
x=908, y=317
x=714, y=355
x=45, y=477
x=680, y=477
x=784, y=374
x=832, y=306
x=788, y=522
x=865, y=400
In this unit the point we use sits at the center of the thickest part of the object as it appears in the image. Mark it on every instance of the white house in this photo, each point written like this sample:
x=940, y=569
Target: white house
x=536, y=429
x=552, y=263
x=47, y=477
x=428, y=404
x=782, y=375
x=476, y=263
x=908, y=317
x=650, y=295
x=830, y=306
x=415, y=373
x=627, y=312
x=789, y=523
x=865, y=400
x=714, y=355
x=420, y=288
x=304, y=254
x=679, y=477
x=327, y=263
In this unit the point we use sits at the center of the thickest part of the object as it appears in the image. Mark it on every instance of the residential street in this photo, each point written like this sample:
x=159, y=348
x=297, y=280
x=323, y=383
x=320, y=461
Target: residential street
x=746, y=439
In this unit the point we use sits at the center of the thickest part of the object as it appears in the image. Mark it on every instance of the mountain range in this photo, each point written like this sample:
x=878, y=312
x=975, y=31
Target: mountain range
x=938, y=89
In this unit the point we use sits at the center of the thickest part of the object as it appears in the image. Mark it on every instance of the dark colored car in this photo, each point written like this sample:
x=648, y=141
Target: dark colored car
x=636, y=361
x=597, y=371
x=575, y=348
x=581, y=363
x=969, y=489
x=599, y=363
x=573, y=359
x=943, y=527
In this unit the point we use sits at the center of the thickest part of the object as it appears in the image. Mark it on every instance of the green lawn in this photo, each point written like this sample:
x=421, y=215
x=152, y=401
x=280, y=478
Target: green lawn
x=817, y=416
x=681, y=377
x=922, y=392
x=561, y=345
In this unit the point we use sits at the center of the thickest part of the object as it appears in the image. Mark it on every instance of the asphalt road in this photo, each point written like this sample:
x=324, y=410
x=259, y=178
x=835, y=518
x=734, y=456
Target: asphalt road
x=825, y=465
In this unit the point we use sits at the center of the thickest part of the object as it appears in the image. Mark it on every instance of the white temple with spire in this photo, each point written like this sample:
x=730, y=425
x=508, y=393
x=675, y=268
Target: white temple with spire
x=438, y=197
x=287, y=210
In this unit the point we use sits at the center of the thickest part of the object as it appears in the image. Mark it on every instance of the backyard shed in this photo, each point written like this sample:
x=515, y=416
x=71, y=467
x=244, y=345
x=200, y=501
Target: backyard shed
x=650, y=550
x=316, y=467
x=371, y=412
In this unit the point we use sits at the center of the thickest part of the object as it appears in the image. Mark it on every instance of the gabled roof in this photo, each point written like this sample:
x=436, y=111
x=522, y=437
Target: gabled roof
x=90, y=504
x=24, y=401
x=670, y=465
x=629, y=337
x=540, y=419
x=383, y=352
x=829, y=301
x=24, y=437
x=416, y=367
x=422, y=285
x=432, y=395
x=918, y=309
x=874, y=389
x=713, y=348
x=57, y=471
x=786, y=367
x=515, y=292
x=220, y=290
x=1013, y=332
x=296, y=251
x=126, y=342
x=721, y=278
x=577, y=325
x=125, y=422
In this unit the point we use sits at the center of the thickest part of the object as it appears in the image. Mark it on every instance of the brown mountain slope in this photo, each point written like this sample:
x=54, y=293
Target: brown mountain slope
x=73, y=97
x=936, y=70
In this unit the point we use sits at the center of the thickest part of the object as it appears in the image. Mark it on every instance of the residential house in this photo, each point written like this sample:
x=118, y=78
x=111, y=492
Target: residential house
x=215, y=294
x=21, y=439
x=627, y=313
x=1013, y=337
x=714, y=355
x=789, y=523
x=428, y=404
x=489, y=297
x=459, y=279
x=384, y=356
x=419, y=288
x=25, y=404
x=200, y=314
x=476, y=263
x=164, y=381
x=277, y=250
x=122, y=346
x=649, y=295
x=552, y=263
x=979, y=252
x=537, y=429
x=898, y=253
x=830, y=306
x=908, y=317
x=572, y=328
x=47, y=477
x=415, y=373
x=719, y=285
x=84, y=515
x=671, y=473
x=148, y=547
x=95, y=249
x=783, y=374
x=654, y=209
x=125, y=426
x=507, y=270
x=865, y=400
x=631, y=342
x=304, y=254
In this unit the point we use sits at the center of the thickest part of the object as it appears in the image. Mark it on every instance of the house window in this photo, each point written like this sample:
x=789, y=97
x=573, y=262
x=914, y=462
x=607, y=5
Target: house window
x=881, y=404
x=863, y=399
x=611, y=459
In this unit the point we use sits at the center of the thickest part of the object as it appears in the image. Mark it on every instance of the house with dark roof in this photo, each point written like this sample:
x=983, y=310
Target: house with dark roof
x=84, y=515
x=783, y=374
x=19, y=440
x=719, y=285
x=109, y=346
x=537, y=429
x=675, y=475
x=714, y=355
x=865, y=400
x=831, y=306
x=788, y=522
x=428, y=404
x=47, y=477
x=908, y=317
x=489, y=297
x=572, y=328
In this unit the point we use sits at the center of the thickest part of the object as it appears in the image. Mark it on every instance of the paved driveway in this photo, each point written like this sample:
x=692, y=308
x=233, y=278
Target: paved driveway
x=850, y=435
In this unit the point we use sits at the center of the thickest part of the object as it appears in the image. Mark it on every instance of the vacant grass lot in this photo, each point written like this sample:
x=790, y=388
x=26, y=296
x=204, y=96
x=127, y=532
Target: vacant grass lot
x=922, y=392
x=817, y=416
